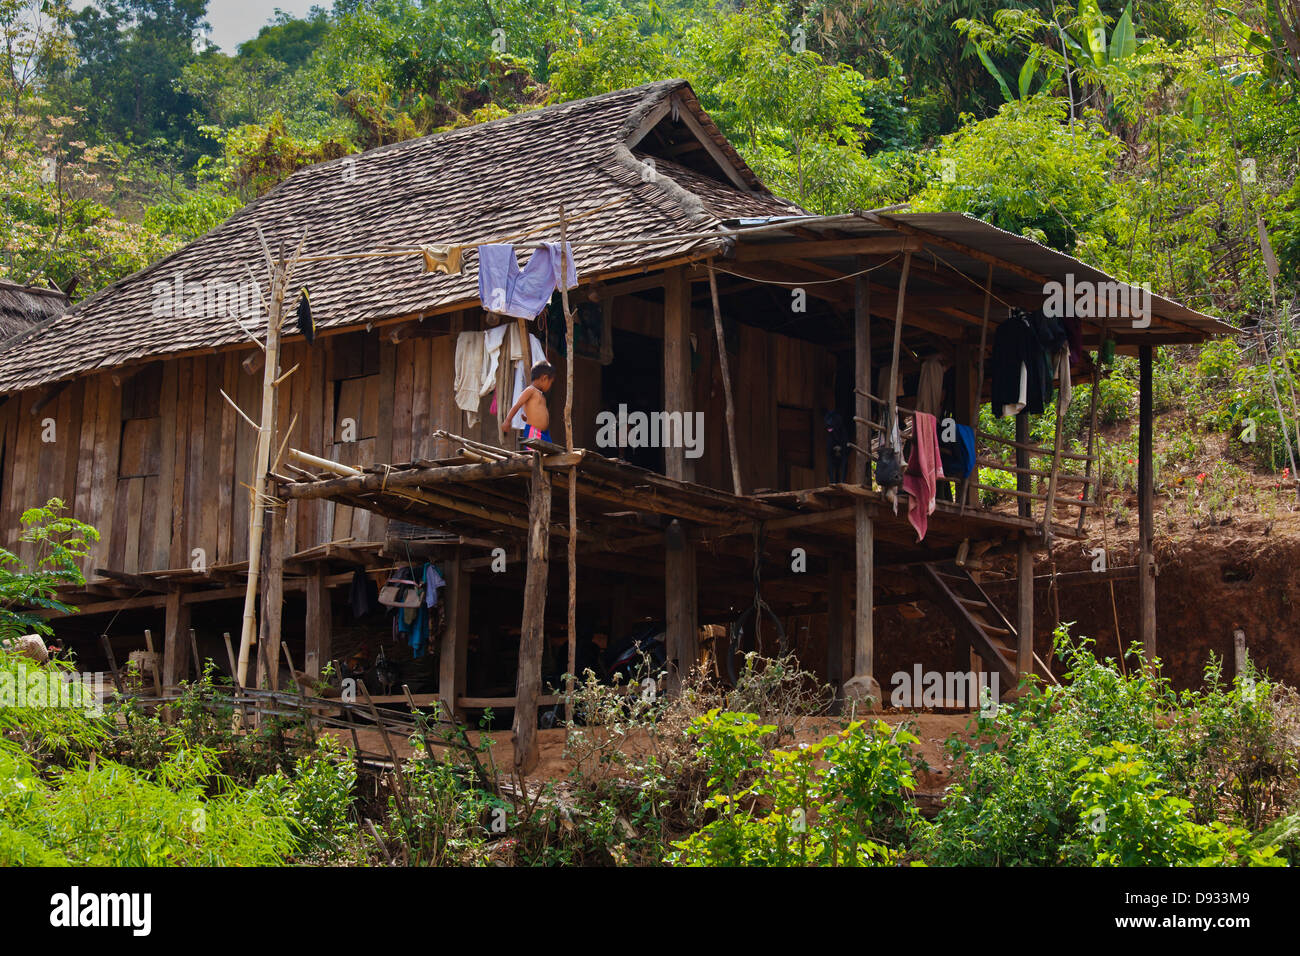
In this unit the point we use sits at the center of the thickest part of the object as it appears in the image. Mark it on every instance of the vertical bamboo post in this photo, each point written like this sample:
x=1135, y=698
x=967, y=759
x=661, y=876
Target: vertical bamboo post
x=726, y=382
x=572, y=551
x=862, y=379
x=1146, y=510
x=1024, y=607
x=280, y=274
x=969, y=487
x=898, y=341
x=1050, y=503
x=1088, y=487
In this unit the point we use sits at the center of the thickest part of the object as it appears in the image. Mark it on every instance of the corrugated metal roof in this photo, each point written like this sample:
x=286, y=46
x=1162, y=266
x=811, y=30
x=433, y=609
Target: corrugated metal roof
x=951, y=229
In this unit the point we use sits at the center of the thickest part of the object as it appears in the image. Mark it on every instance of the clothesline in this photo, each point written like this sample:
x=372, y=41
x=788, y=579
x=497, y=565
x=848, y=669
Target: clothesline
x=850, y=275
x=778, y=226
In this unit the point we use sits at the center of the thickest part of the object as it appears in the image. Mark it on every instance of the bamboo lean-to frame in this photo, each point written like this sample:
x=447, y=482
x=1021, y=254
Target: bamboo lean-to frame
x=281, y=272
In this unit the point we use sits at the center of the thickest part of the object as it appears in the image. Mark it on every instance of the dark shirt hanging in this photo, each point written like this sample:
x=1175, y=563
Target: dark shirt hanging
x=364, y=596
x=1029, y=339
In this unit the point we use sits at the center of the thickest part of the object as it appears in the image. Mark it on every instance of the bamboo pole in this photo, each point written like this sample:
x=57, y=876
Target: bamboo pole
x=280, y=275
x=979, y=387
x=1056, y=464
x=1088, y=487
x=572, y=555
x=898, y=341
x=726, y=382
x=1277, y=402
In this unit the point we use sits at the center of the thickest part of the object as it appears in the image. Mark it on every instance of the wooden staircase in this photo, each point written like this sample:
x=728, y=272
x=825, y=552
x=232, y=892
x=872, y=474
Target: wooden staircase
x=979, y=621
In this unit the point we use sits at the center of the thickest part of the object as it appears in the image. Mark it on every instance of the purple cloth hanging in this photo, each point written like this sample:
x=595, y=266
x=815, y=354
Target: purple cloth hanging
x=507, y=290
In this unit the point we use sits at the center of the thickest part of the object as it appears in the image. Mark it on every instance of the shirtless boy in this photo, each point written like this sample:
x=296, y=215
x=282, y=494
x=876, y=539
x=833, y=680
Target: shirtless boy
x=533, y=401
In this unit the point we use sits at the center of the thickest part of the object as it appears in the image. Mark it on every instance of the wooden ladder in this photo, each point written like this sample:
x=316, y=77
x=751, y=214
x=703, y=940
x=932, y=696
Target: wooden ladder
x=979, y=620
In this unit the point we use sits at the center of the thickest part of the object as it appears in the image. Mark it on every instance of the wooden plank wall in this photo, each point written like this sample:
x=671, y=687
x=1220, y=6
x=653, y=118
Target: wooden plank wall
x=159, y=488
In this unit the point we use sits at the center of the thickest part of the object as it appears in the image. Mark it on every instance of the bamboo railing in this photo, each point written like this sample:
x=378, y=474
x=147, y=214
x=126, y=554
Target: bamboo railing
x=1045, y=503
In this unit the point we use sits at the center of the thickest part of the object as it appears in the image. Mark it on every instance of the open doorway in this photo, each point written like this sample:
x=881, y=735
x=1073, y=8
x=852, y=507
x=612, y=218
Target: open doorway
x=634, y=380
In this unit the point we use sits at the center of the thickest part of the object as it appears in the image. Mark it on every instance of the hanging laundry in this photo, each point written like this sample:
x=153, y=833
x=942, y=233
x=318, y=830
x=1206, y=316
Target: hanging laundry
x=508, y=377
x=492, y=340
x=469, y=368
x=924, y=469
x=1064, y=382
x=1024, y=347
x=306, y=324
x=1074, y=332
x=442, y=258
x=432, y=582
x=411, y=621
x=364, y=594
x=958, y=455
x=506, y=289
x=929, y=392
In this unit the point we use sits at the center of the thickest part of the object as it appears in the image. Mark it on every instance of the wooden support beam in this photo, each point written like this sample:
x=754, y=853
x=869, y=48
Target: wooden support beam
x=1023, y=477
x=839, y=630
x=677, y=368
x=1146, y=509
x=1024, y=607
x=862, y=375
x=273, y=597
x=532, y=637
x=320, y=623
x=455, y=637
x=681, y=605
x=175, y=641
x=863, y=686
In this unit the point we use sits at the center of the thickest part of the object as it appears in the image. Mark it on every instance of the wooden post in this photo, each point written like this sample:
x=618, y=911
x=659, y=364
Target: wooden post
x=1146, y=510
x=863, y=684
x=320, y=621
x=726, y=382
x=531, y=636
x=859, y=681
x=681, y=603
x=572, y=550
x=677, y=368
x=455, y=639
x=839, y=627
x=273, y=597
x=1024, y=607
x=176, y=649
x=972, y=483
x=862, y=374
x=1024, y=504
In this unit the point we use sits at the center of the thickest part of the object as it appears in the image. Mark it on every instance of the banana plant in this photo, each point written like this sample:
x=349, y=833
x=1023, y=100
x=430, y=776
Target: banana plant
x=1025, y=80
x=1124, y=43
x=1279, y=48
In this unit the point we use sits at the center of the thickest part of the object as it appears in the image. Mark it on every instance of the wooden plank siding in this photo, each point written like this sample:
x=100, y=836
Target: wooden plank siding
x=159, y=486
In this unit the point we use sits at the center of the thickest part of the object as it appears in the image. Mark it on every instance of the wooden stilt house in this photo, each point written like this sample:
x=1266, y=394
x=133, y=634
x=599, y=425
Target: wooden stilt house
x=698, y=291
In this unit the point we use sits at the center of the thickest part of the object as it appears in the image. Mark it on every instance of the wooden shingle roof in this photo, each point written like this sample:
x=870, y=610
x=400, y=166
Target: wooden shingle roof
x=482, y=183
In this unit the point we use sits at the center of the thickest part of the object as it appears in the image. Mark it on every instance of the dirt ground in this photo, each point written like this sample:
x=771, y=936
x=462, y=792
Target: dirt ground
x=933, y=729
